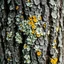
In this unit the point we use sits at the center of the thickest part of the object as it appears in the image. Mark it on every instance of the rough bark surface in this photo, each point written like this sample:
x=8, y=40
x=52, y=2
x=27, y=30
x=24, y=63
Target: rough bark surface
x=14, y=39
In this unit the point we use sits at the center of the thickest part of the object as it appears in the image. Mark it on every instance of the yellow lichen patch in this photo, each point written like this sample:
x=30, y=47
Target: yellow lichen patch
x=25, y=46
x=38, y=35
x=30, y=18
x=31, y=23
x=54, y=41
x=33, y=31
x=33, y=26
x=17, y=7
x=40, y=18
x=8, y=59
x=38, y=53
x=35, y=20
x=54, y=60
x=54, y=46
x=34, y=17
x=28, y=0
x=57, y=29
x=44, y=25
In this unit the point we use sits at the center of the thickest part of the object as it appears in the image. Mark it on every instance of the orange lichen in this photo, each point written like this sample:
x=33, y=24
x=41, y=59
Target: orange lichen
x=31, y=23
x=33, y=18
x=39, y=53
x=30, y=18
x=17, y=7
x=54, y=60
x=33, y=26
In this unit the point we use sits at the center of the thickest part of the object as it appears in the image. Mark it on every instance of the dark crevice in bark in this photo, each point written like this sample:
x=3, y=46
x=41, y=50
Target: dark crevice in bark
x=21, y=47
x=23, y=9
x=50, y=36
x=2, y=44
x=14, y=44
x=22, y=34
x=43, y=9
x=60, y=12
x=37, y=58
x=6, y=7
x=48, y=51
x=58, y=48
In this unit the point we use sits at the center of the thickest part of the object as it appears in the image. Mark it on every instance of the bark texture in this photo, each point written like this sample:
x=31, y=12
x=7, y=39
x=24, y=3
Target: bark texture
x=31, y=31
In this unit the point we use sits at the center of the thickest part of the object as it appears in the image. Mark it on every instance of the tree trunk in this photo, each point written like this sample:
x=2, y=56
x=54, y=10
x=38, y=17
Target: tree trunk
x=31, y=31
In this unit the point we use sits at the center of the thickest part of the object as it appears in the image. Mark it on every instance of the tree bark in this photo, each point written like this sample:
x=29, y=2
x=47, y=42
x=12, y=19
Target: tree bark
x=19, y=44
